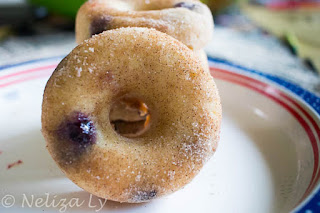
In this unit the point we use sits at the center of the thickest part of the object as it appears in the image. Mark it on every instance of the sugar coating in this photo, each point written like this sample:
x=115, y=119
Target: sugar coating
x=192, y=26
x=97, y=16
x=182, y=98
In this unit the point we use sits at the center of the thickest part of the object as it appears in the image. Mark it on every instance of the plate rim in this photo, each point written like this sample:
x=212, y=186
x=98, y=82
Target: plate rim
x=305, y=97
x=312, y=202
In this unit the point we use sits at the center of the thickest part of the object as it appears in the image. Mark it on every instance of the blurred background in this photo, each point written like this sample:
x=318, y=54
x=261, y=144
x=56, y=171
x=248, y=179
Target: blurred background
x=280, y=37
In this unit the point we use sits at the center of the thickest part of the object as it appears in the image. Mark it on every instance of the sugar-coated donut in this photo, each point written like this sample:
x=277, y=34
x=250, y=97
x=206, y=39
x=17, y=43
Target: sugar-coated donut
x=177, y=97
x=202, y=56
x=189, y=21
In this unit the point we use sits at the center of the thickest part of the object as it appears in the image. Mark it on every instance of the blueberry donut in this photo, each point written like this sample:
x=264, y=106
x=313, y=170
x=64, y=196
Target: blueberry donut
x=130, y=115
x=189, y=21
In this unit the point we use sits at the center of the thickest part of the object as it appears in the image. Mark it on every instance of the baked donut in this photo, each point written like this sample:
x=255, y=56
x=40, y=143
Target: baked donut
x=202, y=56
x=189, y=21
x=165, y=90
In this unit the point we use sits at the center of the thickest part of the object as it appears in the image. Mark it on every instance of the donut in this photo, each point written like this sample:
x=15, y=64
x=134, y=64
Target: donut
x=189, y=21
x=151, y=87
x=202, y=56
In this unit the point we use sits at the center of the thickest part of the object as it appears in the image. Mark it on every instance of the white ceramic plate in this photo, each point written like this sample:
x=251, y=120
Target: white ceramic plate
x=267, y=160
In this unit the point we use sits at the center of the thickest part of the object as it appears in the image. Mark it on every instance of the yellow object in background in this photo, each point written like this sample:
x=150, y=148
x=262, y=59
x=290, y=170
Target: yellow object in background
x=306, y=51
x=4, y=32
x=299, y=22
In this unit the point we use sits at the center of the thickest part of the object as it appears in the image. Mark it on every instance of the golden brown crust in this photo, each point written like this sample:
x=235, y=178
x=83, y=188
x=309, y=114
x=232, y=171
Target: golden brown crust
x=193, y=27
x=202, y=56
x=182, y=98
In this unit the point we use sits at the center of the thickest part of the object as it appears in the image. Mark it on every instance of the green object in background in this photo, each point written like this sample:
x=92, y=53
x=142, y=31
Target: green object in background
x=63, y=7
x=217, y=6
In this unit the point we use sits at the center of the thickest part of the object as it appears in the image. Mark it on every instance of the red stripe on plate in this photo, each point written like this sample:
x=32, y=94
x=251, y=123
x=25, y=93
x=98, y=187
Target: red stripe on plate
x=316, y=127
x=274, y=94
x=25, y=79
x=261, y=87
x=28, y=71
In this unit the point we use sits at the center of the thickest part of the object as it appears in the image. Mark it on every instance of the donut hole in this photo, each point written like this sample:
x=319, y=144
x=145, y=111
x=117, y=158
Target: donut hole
x=129, y=117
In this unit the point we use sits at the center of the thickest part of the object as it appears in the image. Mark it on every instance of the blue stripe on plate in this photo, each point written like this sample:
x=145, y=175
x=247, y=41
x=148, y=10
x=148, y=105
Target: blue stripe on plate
x=312, y=100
